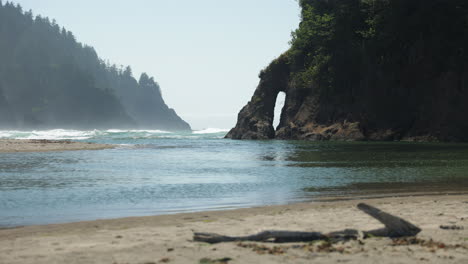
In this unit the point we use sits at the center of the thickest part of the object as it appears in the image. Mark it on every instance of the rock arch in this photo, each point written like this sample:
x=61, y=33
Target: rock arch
x=255, y=120
x=278, y=110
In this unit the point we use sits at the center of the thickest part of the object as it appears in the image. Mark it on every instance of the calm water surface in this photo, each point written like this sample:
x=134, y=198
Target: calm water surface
x=152, y=172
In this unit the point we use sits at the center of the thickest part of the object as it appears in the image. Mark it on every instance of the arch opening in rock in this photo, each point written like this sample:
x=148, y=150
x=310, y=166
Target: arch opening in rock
x=280, y=101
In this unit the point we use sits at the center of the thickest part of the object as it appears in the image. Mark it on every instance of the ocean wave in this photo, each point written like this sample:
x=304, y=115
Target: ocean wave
x=110, y=134
x=62, y=134
x=211, y=131
x=54, y=134
x=137, y=131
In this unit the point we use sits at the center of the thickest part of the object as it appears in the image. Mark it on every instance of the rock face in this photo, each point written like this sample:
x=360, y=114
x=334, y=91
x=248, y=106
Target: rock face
x=410, y=88
x=433, y=110
x=298, y=118
x=255, y=120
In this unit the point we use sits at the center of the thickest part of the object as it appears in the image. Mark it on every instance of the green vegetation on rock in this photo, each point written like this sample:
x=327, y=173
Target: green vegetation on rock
x=368, y=70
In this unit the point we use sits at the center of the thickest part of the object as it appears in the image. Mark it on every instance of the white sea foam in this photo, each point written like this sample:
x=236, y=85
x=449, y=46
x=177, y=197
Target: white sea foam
x=10, y=134
x=68, y=134
x=137, y=131
x=211, y=131
x=54, y=134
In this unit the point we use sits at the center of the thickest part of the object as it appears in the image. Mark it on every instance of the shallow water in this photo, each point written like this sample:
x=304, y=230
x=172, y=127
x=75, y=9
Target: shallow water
x=156, y=172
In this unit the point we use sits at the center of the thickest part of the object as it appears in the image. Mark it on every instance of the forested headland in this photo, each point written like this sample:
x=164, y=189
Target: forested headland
x=368, y=70
x=50, y=80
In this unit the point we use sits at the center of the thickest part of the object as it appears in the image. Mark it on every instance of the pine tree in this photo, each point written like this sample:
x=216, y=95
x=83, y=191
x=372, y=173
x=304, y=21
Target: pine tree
x=52, y=80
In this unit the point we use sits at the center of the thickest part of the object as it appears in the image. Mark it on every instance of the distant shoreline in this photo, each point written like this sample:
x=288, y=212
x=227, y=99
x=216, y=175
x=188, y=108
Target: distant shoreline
x=167, y=238
x=42, y=145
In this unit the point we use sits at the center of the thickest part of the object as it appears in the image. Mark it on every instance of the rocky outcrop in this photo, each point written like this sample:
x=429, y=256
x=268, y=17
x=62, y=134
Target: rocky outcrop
x=255, y=120
x=430, y=110
x=346, y=78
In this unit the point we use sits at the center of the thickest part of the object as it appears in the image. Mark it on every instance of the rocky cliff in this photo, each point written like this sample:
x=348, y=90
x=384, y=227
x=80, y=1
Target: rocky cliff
x=49, y=80
x=367, y=70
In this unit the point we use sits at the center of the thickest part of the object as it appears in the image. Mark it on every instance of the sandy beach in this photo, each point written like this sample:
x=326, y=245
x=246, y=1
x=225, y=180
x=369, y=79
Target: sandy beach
x=168, y=238
x=42, y=145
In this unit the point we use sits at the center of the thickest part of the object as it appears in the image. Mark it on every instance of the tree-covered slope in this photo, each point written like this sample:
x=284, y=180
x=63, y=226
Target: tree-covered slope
x=368, y=70
x=49, y=80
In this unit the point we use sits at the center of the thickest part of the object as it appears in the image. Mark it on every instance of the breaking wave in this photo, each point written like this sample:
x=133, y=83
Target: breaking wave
x=110, y=134
x=211, y=131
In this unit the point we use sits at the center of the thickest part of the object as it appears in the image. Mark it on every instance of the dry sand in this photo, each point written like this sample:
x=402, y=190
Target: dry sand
x=42, y=145
x=167, y=239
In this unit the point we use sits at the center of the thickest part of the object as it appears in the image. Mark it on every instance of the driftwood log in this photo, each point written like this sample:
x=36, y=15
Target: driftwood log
x=394, y=227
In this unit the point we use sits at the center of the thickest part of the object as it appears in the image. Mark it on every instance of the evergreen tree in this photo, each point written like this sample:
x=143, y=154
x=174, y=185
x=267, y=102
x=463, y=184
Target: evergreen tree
x=49, y=80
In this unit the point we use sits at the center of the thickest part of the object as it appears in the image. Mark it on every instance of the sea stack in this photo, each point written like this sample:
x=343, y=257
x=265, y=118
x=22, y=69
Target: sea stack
x=367, y=70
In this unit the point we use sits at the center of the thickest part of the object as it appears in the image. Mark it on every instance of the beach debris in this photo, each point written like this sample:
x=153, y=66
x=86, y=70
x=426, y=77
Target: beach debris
x=47, y=141
x=451, y=227
x=317, y=246
x=265, y=236
x=214, y=261
x=428, y=243
x=263, y=250
x=394, y=227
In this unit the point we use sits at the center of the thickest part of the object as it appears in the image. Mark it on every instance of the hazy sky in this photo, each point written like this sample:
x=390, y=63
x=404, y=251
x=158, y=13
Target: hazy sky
x=205, y=54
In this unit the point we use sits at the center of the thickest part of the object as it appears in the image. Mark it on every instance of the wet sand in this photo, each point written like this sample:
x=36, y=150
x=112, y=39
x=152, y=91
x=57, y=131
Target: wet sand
x=41, y=145
x=168, y=238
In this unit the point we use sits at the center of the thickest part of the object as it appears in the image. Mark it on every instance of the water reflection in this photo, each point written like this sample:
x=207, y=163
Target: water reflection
x=361, y=168
x=389, y=188
x=39, y=170
x=372, y=152
x=156, y=176
x=26, y=162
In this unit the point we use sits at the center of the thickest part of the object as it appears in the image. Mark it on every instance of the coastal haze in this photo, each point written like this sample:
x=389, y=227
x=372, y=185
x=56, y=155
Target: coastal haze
x=205, y=55
x=130, y=129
